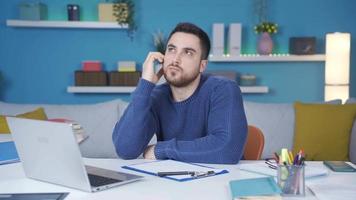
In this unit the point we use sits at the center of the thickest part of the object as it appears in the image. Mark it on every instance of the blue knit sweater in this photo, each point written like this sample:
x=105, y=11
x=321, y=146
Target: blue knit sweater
x=208, y=127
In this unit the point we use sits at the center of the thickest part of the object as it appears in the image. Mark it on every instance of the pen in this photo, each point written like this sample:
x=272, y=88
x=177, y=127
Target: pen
x=203, y=174
x=161, y=174
x=276, y=157
x=191, y=173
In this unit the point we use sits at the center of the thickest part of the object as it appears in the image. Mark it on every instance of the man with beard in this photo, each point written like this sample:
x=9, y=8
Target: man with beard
x=196, y=117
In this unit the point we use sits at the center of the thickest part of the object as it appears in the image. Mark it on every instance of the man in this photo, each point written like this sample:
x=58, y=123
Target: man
x=196, y=117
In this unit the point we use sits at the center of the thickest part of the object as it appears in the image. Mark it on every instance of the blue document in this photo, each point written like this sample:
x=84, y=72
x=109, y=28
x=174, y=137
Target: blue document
x=172, y=166
x=8, y=153
x=254, y=187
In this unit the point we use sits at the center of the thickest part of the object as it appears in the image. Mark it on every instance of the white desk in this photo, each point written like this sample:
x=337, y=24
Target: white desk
x=13, y=180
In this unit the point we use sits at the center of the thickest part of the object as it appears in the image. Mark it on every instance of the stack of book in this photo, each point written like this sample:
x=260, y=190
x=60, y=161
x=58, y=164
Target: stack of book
x=126, y=75
x=91, y=74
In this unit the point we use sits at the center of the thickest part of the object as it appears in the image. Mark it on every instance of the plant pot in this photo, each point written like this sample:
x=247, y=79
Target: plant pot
x=265, y=44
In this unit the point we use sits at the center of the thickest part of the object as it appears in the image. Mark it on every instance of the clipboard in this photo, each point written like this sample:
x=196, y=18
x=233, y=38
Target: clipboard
x=156, y=166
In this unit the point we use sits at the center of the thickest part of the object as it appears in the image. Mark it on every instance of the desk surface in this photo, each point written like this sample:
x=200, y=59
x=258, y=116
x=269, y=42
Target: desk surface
x=13, y=180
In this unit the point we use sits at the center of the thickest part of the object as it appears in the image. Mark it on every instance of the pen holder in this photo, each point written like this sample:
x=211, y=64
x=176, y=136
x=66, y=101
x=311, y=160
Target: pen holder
x=291, y=180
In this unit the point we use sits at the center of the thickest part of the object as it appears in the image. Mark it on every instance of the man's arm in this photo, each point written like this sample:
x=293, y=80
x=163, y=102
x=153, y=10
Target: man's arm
x=226, y=132
x=138, y=124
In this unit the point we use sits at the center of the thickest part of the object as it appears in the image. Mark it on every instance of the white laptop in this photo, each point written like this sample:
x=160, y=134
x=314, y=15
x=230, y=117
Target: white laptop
x=49, y=152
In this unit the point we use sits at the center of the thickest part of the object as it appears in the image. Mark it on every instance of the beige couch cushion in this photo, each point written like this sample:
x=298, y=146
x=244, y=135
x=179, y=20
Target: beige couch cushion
x=97, y=119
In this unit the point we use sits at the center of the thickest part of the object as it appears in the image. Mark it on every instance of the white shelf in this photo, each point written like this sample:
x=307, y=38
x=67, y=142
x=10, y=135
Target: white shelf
x=65, y=24
x=268, y=58
x=100, y=89
x=127, y=89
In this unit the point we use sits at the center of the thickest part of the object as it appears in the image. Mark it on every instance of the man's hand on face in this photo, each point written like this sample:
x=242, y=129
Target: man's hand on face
x=148, y=71
x=150, y=152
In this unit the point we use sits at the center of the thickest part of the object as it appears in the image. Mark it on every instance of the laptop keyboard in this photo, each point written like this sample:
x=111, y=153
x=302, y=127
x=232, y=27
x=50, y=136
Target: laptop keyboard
x=97, y=181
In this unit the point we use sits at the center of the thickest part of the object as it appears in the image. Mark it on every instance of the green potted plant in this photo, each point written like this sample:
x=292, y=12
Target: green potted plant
x=264, y=27
x=124, y=12
x=159, y=41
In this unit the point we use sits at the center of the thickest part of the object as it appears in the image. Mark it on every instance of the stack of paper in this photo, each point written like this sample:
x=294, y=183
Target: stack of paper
x=333, y=191
x=8, y=153
x=126, y=66
x=256, y=188
x=263, y=169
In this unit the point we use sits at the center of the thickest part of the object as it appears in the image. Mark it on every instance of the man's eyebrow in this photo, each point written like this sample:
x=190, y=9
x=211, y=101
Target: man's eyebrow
x=190, y=49
x=186, y=48
x=171, y=45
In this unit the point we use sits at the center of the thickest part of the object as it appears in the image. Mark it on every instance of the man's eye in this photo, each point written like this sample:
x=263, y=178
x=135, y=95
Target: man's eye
x=189, y=53
x=170, y=49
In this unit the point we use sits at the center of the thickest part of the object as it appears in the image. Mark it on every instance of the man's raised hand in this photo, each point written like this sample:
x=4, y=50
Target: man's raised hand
x=148, y=71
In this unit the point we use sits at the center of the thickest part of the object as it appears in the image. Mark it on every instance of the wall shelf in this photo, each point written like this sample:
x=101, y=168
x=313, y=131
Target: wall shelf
x=100, y=89
x=65, y=24
x=129, y=89
x=268, y=58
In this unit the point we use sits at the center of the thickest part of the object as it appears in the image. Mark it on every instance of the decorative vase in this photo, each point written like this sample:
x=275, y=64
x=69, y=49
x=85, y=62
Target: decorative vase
x=265, y=44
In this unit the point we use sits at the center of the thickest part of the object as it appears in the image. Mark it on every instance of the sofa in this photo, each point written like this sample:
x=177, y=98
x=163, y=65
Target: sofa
x=276, y=120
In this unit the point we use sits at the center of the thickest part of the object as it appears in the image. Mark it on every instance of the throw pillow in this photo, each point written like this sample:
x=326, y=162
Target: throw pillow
x=323, y=130
x=39, y=114
x=4, y=128
x=352, y=150
x=276, y=120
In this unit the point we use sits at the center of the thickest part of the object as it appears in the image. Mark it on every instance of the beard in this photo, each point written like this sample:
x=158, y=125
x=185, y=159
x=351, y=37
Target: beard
x=176, y=76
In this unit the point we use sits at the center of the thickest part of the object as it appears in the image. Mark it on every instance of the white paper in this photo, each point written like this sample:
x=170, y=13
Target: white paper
x=262, y=168
x=333, y=191
x=172, y=166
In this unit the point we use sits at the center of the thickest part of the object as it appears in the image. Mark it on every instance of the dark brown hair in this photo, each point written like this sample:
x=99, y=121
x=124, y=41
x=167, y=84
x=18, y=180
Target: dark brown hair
x=195, y=30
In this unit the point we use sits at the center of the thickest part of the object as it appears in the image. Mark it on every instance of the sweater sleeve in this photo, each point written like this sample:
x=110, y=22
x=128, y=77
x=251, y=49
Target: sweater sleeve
x=226, y=132
x=136, y=127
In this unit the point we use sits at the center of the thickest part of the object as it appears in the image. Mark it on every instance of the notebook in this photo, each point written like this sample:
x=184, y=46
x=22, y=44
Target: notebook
x=33, y=196
x=8, y=153
x=49, y=152
x=265, y=188
x=154, y=167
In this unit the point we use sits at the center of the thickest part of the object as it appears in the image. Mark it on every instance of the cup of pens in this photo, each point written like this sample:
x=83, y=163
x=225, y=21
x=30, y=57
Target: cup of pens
x=291, y=173
x=291, y=179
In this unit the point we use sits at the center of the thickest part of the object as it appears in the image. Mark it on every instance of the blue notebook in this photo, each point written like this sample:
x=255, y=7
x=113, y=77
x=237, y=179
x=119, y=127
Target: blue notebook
x=254, y=187
x=8, y=153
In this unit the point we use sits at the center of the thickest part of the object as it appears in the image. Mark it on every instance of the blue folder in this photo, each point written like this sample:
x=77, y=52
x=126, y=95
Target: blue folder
x=8, y=153
x=254, y=187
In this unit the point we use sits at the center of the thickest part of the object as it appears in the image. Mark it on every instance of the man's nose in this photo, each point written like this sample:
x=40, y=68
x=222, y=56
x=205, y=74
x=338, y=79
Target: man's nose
x=177, y=58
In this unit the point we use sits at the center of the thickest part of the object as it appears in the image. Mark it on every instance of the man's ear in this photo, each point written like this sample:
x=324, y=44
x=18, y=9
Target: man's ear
x=203, y=64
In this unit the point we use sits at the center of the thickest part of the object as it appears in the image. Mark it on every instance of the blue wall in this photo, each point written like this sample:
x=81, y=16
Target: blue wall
x=38, y=64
